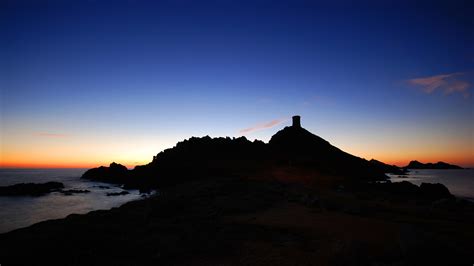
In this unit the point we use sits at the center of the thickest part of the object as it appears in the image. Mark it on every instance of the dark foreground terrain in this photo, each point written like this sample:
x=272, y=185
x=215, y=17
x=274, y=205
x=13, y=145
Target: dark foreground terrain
x=238, y=221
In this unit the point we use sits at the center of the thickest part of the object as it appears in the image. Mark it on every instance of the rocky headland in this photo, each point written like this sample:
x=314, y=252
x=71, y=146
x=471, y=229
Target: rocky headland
x=296, y=200
x=439, y=165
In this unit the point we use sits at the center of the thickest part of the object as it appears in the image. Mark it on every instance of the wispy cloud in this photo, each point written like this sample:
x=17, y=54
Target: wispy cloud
x=262, y=126
x=446, y=83
x=50, y=135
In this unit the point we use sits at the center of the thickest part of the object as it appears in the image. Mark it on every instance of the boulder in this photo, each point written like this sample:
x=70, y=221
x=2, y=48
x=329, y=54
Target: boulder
x=408, y=190
x=435, y=191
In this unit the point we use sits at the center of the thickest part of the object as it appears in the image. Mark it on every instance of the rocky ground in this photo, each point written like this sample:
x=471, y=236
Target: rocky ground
x=242, y=221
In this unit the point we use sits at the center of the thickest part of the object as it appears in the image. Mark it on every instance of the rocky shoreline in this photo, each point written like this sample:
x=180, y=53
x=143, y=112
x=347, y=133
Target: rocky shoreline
x=235, y=221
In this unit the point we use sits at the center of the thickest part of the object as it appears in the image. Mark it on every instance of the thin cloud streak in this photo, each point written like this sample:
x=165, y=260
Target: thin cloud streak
x=446, y=83
x=50, y=135
x=262, y=126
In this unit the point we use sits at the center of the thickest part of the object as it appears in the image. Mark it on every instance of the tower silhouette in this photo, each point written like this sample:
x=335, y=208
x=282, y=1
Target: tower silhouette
x=296, y=121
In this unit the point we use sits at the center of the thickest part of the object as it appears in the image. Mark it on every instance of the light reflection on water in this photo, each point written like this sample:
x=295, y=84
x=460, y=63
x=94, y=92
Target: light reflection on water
x=460, y=182
x=17, y=212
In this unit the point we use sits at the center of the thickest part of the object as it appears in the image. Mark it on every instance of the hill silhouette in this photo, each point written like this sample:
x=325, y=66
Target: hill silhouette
x=297, y=146
x=439, y=165
x=194, y=158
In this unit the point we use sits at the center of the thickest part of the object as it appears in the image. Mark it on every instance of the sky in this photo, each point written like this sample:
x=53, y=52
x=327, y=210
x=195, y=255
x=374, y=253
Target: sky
x=85, y=83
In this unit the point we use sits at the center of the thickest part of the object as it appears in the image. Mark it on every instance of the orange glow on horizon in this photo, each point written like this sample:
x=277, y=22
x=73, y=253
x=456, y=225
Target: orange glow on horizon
x=463, y=162
x=58, y=164
x=22, y=152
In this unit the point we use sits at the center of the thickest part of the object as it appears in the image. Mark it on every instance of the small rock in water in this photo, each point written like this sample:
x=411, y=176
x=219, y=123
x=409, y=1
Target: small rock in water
x=30, y=189
x=74, y=191
x=102, y=187
x=118, y=193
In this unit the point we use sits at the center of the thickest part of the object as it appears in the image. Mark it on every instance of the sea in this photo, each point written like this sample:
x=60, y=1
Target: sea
x=21, y=211
x=460, y=182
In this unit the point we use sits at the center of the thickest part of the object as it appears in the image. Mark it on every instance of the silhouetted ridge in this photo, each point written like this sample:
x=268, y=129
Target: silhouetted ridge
x=298, y=140
x=209, y=157
x=296, y=146
x=204, y=157
x=438, y=165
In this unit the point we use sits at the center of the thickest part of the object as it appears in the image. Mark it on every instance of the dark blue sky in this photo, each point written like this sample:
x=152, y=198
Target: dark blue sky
x=390, y=80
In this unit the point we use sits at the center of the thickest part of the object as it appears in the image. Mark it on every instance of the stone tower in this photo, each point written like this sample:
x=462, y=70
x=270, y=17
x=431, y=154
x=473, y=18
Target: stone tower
x=296, y=121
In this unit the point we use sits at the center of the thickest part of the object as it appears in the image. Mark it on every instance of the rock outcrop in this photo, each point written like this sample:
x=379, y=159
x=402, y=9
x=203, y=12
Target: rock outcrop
x=115, y=173
x=69, y=192
x=30, y=189
x=407, y=190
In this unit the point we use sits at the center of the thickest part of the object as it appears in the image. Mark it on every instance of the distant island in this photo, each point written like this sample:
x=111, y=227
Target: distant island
x=439, y=165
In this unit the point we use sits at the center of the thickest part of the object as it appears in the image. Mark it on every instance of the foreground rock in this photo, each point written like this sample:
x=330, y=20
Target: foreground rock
x=30, y=189
x=425, y=191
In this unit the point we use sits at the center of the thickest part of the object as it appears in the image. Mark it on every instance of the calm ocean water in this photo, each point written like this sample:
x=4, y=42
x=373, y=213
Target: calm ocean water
x=460, y=182
x=17, y=212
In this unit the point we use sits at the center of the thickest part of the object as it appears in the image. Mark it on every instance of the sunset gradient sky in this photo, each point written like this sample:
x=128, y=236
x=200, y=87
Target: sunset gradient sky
x=85, y=83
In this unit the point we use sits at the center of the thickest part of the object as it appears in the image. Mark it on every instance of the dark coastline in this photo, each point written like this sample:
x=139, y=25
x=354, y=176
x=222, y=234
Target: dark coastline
x=295, y=201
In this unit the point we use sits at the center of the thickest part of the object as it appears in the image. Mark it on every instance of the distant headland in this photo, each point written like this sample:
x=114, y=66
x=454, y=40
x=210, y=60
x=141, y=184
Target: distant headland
x=439, y=165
